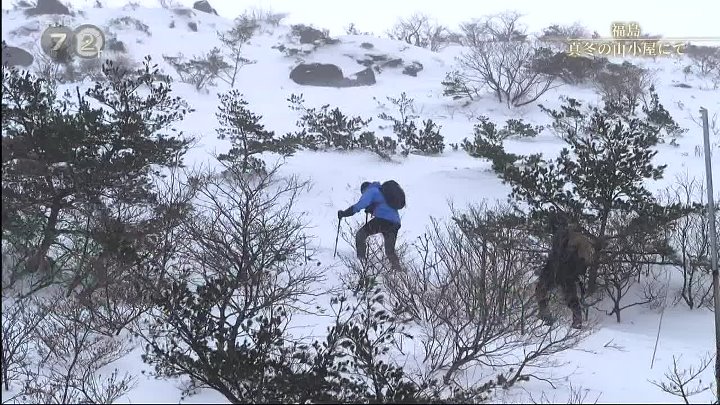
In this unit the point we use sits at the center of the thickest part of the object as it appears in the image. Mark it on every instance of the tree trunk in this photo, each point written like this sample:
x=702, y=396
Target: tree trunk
x=49, y=236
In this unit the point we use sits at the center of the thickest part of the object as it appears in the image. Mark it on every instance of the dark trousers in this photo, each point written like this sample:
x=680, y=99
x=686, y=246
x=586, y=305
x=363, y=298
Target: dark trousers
x=561, y=276
x=389, y=231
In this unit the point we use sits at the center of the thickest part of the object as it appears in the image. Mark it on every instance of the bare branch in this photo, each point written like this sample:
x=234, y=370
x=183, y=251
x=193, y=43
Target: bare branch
x=685, y=383
x=500, y=58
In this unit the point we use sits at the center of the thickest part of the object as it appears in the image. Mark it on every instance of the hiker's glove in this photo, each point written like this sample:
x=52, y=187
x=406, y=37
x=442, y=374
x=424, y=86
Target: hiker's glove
x=344, y=213
x=368, y=211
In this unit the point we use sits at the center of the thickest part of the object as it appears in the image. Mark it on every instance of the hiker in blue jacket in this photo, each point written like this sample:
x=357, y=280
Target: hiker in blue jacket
x=386, y=220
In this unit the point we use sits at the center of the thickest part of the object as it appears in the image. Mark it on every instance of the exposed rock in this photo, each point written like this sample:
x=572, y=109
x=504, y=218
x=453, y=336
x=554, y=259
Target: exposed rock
x=308, y=35
x=115, y=45
x=367, y=45
x=378, y=58
x=317, y=74
x=413, y=69
x=365, y=77
x=393, y=63
x=193, y=26
x=329, y=75
x=26, y=30
x=48, y=7
x=204, y=6
x=14, y=56
x=682, y=85
x=184, y=12
x=379, y=62
x=371, y=60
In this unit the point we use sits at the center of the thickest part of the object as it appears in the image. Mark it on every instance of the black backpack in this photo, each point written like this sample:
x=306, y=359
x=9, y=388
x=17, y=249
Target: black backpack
x=394, y=194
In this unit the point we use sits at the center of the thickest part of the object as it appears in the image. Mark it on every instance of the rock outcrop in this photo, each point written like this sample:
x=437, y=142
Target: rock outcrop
x=329, y=75
x=14, y=56
x=204, y=6
x=44, y=7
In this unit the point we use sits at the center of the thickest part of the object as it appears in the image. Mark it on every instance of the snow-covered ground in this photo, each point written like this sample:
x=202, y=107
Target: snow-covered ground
x=613, y=364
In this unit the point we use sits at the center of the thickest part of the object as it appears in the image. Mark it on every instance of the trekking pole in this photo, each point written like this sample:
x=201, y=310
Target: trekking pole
x=337, y=237
x=366, y=217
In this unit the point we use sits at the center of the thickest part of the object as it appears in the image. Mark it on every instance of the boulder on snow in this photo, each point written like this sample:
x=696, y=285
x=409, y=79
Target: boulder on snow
x=365, y=77
x=382, y=61
x=329, y=75
x=413, y=69
x=48, y=7
x=317, y=74
x=115, y=45
x=14, y=56
x=365, y=62
x=307, y=34
x=393, y=63
x=26, y=30
x=204, y=6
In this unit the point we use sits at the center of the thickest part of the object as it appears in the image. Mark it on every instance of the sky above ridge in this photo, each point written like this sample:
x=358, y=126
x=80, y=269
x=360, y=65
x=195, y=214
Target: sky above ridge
x=670, y=18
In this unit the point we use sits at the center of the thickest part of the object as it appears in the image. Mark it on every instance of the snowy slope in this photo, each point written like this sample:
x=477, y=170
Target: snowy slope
x=612, y=373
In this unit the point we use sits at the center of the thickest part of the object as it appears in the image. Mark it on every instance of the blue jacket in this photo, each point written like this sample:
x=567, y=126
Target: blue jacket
x=374, y=197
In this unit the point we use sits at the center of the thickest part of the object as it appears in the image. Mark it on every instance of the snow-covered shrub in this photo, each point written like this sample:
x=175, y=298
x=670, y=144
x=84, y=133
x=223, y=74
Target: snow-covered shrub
x=200, y=71
x=560, y=32
x=469, y=296
x=248, y=137
x=324, y=128
x=69, y=355
x=426, y=140
x=572, y=70
x=705, y=60
x=266, y=16
x=57, y=224
x=242, y=290
x=384, y=147
x=129, y=22
x=456, y=86
x=20, y=318
x=624, y=83
x=604, y=143
x=689, y=236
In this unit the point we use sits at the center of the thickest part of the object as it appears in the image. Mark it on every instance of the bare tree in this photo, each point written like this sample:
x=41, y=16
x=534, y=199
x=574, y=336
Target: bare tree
x=685, y=382
x=691, y=240
x=233, y=40
x=419, y=30
x=714, y=127
x=19, y=321
x=245, y=251
x=470, y=294
x=705, y=59
x=201, y=71
x=70, y=355
x=628, y=263
x=500, y=58
x=577, y=395
x=352, y=29
x=265, y=15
